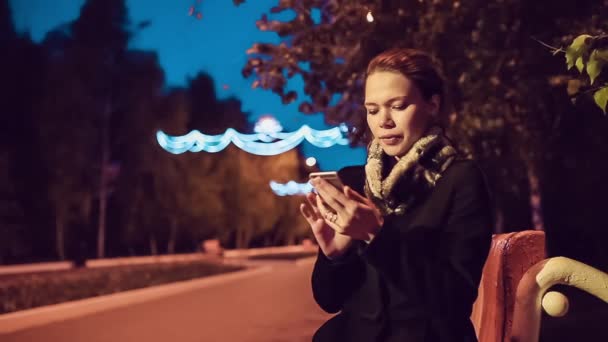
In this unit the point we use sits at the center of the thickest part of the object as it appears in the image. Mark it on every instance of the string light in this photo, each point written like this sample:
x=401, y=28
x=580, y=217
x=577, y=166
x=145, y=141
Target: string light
x=291, y=188
x=265, y=143
x=370, y=17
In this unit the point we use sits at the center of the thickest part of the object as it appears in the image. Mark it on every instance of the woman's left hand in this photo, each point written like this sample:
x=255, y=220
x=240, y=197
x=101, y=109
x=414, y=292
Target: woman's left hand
x=355, y=215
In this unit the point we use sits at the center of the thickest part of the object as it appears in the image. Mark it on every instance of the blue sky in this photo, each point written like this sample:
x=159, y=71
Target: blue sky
x=185, y=45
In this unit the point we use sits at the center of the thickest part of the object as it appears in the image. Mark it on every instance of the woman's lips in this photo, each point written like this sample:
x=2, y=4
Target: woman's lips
x=391, y=140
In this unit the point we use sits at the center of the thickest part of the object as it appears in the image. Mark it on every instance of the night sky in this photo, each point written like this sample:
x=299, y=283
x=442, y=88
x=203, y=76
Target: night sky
x=216, y=43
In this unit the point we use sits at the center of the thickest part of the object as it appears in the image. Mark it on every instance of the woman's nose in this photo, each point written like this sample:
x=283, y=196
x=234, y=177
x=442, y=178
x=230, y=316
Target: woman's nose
x=386, y=121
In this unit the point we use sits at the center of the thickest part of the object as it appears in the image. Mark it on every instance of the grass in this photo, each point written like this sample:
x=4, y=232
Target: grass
x=25, y=291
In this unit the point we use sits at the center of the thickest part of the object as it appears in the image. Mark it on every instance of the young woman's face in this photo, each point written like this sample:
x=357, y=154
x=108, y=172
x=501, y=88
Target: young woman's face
x=397, y=113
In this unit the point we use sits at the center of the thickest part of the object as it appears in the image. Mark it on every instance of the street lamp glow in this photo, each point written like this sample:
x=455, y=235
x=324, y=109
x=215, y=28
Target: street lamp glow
x=370, y=17
x=311, y=161
x=267, y=124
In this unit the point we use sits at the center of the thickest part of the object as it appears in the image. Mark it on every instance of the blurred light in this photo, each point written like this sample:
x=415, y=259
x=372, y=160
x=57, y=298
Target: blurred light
x=311, y=161
x=291, y=188
x=370, y=17
x=267, y=124
x=263, y=144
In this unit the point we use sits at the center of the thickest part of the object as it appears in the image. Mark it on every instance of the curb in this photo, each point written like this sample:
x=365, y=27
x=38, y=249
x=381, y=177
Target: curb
x=38, y=267
x=244, y=253
x=25, y=319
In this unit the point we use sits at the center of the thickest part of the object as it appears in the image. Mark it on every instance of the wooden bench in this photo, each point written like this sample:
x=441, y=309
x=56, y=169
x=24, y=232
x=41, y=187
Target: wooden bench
x=515, y=284
x=511, y=255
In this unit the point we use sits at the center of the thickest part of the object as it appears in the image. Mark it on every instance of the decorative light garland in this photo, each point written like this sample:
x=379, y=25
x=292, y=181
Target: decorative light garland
x=291, y=188
x=264, y=143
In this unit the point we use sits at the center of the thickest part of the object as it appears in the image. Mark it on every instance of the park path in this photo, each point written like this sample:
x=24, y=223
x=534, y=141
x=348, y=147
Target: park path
x=270, y=306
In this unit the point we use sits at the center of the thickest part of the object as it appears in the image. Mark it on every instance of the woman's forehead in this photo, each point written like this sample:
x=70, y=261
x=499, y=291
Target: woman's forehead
x=384, y=85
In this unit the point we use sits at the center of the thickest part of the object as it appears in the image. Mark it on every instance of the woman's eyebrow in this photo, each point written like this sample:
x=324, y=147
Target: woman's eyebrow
x=393, y=99
x=397, y=98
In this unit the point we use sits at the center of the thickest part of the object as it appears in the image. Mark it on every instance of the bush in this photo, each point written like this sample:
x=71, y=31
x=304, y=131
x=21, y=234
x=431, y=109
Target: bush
x=25, y=291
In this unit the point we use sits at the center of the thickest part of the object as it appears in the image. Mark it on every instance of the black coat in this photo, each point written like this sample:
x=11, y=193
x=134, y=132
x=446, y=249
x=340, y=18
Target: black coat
x=417, y=280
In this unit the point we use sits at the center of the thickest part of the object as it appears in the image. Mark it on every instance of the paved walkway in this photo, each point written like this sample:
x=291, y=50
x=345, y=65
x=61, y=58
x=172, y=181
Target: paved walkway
x=267, y=307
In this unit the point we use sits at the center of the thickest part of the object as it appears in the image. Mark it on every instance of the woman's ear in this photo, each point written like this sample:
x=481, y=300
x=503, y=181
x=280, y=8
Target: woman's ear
x=435, y=104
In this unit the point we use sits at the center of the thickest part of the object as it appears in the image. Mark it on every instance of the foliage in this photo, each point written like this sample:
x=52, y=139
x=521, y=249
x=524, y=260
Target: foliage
x=487, y=52
x=544, y=158
x=589, y=54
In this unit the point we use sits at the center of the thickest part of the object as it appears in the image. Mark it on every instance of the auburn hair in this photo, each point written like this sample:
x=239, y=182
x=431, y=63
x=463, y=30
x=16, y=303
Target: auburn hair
x=422, y=69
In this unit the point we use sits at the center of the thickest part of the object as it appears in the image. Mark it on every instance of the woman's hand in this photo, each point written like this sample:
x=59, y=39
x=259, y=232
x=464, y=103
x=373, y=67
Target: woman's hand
x=331, y=243
x=347, y=212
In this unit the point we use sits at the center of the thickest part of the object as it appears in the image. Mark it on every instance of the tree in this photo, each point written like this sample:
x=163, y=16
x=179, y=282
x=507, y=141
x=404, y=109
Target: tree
x=65, y=134
x=100, y=43
x=133, y=127
x=491, y=61
x=22, y=213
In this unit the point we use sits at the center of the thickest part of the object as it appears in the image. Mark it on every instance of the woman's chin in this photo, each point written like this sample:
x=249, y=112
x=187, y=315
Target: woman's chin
x=397, y=150
x=394, y=151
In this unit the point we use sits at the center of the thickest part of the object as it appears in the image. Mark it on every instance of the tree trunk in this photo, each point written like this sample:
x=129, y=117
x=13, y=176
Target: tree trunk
x=172, y=236
x=535, y=200
x=103, y=186
x=243, y=236
x=60, y=237
x=499, y=221
x=239, y=237
x=153, y=245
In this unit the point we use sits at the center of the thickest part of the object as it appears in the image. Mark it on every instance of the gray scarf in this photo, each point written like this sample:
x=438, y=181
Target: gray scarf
x=422, y=164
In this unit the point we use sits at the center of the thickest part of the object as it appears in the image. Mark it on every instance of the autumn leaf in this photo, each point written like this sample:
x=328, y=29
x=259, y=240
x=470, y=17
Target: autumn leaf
x=575, y=51
x=594, y=66
x=580, y=65
x=601, y=98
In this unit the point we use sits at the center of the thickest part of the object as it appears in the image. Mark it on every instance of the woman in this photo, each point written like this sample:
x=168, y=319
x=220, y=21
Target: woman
x=402, y=262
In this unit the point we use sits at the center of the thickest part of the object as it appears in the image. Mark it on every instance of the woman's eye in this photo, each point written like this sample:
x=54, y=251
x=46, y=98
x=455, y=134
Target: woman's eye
x=372, y=111
x=400, y=107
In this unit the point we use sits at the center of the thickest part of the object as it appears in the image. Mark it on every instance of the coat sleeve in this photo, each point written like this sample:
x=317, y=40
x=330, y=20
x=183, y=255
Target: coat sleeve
x=334, y=280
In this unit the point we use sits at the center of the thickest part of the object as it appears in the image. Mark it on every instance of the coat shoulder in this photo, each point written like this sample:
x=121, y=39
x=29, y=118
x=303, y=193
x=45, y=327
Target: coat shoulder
x=463, y=173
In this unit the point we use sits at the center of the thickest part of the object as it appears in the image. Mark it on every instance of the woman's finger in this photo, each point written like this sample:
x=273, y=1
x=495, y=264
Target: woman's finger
x=307, y=213
x=332, y=196
x=311, y=198
x=324, y=211
x=321, y=207
x=353, y=195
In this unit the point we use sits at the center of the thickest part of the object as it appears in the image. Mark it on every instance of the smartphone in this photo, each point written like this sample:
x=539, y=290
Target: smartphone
x=330, y=176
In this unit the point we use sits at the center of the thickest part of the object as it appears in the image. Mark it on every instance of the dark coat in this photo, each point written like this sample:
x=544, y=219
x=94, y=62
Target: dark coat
x=417, y=280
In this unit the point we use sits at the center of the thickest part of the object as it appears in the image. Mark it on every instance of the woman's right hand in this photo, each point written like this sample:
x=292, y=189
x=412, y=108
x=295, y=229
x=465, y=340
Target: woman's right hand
x=332, y=244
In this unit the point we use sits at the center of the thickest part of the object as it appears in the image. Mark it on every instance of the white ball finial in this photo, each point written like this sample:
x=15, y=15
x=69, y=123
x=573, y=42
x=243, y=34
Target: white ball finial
x=555, y=304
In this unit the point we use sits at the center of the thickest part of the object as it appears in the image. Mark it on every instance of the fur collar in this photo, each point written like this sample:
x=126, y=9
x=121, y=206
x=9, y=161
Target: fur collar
x=423, y=163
